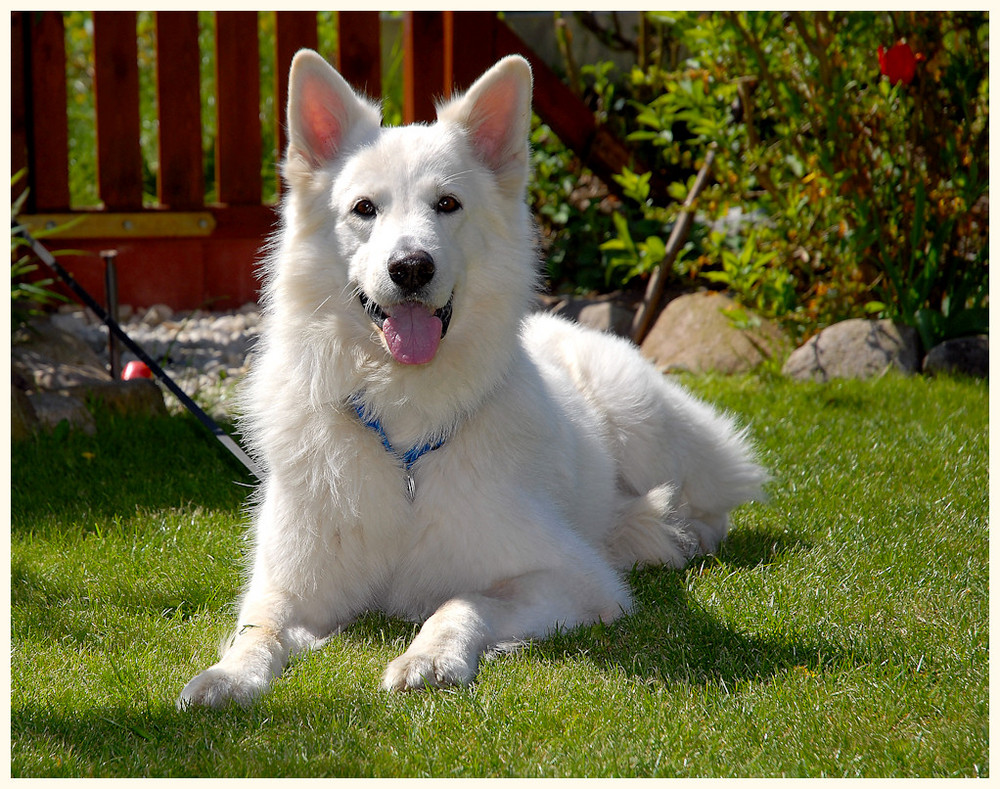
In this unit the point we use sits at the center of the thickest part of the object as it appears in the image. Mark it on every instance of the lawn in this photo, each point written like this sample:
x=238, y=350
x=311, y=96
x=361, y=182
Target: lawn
x=842, y=630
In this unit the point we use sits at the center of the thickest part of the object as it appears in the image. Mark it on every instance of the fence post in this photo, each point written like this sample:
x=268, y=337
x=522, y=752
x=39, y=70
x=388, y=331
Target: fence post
x=294, y=30
x=237, y=82
x=359, y=50
x=181, y=182
x=469, y=46
x=48, y=137
x=423, y=64
x=116, y=92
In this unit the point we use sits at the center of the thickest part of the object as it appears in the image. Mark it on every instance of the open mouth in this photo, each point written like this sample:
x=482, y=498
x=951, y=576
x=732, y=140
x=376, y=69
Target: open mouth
x=411, y=330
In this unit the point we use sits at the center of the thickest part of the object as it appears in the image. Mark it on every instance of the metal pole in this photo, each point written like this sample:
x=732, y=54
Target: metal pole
x=46, y=257
x=111, y=293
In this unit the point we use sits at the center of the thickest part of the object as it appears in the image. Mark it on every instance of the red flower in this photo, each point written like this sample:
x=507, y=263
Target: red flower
x=898, y=62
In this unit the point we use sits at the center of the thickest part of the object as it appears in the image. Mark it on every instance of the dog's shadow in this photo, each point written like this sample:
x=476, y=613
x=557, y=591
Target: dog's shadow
x=671, y=637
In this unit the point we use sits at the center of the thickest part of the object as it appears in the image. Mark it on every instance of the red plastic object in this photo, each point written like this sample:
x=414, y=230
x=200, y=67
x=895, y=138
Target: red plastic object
x=136, y=369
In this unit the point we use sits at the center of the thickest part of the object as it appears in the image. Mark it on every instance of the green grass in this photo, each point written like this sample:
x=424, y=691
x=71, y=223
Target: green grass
x=841, y=631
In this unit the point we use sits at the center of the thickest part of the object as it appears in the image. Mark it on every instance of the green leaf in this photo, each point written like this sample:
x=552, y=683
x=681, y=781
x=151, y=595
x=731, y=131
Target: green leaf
x=716, y=276
x=677, y=191
x=655, y=249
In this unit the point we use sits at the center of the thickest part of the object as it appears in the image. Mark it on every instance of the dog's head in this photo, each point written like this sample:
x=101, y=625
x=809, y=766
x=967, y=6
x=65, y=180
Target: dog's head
x=417, y=223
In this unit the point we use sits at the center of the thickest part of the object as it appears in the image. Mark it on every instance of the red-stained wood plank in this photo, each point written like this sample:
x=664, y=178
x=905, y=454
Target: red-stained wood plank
x=295, y=30
x=184, y=272
x=48, y=141
x=569, y=117
x=423, y=64
x=244, y=221
x=230, y=279
x=116, y=90
x=359, y=50
x=469, y=46
x=181, y=180
x=18, y=104
x=237, y=80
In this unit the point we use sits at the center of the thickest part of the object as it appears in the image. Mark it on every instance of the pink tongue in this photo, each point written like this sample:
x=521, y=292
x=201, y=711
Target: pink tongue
x=412, y=333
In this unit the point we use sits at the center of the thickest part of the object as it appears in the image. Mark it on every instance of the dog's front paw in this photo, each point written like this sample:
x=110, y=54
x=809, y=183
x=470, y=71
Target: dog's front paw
x=424, y=670
x=216, y=687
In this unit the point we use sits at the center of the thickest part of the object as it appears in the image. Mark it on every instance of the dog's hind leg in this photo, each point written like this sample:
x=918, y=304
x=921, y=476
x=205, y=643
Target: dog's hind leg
x=646, y=533
x=661, y=528
x=448, y=647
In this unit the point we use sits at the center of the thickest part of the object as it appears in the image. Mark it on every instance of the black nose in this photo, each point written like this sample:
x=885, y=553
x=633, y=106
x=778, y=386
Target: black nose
x=411, y=270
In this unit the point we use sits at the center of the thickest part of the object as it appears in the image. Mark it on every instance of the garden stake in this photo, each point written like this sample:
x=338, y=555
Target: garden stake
x=654, y=290
x=111, y=295
x=47, y=258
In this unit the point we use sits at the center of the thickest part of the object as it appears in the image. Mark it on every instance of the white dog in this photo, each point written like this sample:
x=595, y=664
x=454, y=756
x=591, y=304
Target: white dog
x=429, y=449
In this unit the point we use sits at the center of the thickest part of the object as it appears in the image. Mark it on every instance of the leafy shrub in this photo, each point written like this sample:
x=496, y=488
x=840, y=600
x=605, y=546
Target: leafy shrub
x=575, y=214
x=870, y=188
x=29, y=294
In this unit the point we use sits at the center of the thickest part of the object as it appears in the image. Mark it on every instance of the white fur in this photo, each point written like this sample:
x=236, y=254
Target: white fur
x=567, y=458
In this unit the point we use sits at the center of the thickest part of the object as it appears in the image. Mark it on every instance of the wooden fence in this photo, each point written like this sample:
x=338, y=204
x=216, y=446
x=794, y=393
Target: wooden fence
x=184, y=251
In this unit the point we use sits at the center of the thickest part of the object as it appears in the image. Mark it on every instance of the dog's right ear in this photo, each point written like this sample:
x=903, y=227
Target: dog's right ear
x=324, y=114
x=496, y=114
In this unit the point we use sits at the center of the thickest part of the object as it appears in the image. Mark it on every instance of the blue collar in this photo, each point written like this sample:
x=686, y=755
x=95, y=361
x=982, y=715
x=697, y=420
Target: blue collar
x=408, y=458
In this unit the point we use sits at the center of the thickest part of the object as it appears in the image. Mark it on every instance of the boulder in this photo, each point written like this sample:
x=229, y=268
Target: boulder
x=855, y=348
x=23, y=419
x=54, y=407
x=137, y=396
x=157, y=314
x=696, y=333
x=48, y=358
x=963, y=355
x=603, y=313
x=62, y=375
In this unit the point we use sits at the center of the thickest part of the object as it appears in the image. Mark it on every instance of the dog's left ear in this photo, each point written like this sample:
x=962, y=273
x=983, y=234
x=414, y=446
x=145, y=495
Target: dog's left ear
x=496, y=113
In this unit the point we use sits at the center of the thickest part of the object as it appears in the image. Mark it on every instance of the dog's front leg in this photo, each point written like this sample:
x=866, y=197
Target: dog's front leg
x=448, y=647
x=271, y=628
x=255, y=657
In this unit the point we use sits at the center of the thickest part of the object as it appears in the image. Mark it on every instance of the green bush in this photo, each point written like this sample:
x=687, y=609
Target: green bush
x=575, y=214
x=868, y=192
x=30, y=294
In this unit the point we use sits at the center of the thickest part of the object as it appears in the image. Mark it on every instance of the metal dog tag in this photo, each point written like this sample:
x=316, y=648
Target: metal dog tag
x=411, y=487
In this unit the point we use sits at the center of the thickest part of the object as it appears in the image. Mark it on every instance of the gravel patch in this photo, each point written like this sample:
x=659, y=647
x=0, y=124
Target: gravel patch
x=205, y=353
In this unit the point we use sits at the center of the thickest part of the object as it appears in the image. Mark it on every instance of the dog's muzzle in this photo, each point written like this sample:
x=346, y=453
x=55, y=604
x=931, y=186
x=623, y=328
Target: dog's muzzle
x=410, y=329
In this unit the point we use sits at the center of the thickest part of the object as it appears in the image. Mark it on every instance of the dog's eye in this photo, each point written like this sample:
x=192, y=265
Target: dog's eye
x=447, y=205
x=365, y=208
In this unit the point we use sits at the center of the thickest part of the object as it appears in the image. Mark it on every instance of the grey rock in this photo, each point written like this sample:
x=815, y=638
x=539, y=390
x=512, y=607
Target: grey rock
x=855, y=348
x=604, y=314
x=964, y=355
x=204, y=353
x=48, y=357
x=62, y=375
x=54, y=407
x=694, y=333
x=23, y=419
x=138, y=396
x=157, y=314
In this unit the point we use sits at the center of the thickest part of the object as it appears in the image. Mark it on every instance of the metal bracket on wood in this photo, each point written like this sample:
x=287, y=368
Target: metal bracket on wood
x=135, y=224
